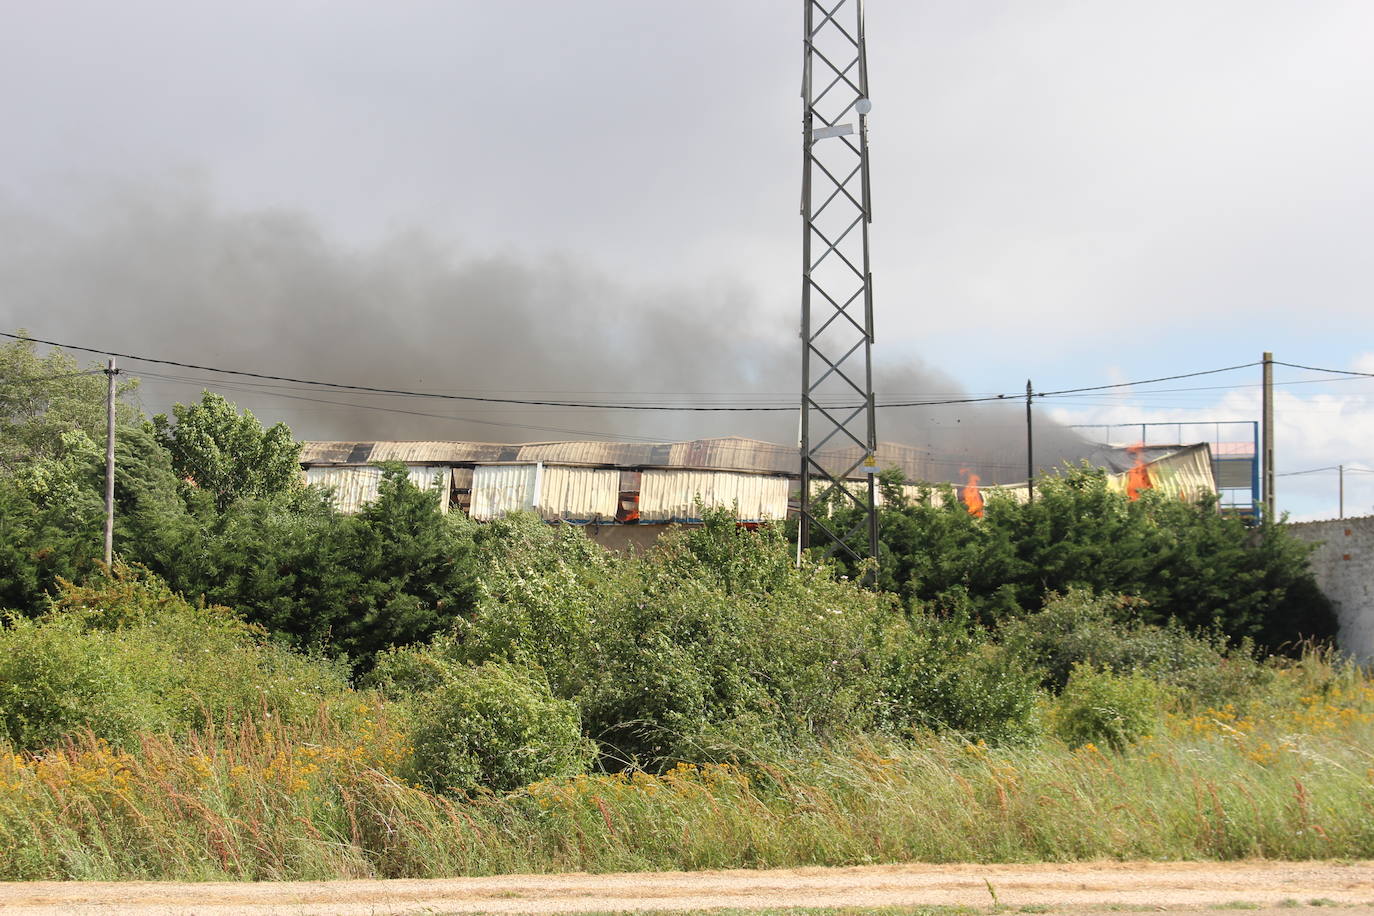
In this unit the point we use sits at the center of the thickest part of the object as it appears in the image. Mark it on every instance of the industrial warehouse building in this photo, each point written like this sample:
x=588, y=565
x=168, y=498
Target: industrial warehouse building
x=625, y=493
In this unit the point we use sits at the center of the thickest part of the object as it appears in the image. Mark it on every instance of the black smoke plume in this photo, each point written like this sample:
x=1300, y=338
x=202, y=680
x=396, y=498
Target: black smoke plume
x=165, y=270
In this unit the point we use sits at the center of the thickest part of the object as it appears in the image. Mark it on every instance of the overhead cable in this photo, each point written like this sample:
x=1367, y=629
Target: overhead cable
x=370, y=389
x=1320, y=369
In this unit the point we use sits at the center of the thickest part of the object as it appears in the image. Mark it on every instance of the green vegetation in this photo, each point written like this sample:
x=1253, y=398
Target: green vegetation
x=1181, y=562
x=228, y=455
x=127, y=656
x=263, y=687
x=328, y=799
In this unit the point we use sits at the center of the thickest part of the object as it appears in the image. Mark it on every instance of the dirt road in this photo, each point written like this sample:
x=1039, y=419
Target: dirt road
x=1079, y=888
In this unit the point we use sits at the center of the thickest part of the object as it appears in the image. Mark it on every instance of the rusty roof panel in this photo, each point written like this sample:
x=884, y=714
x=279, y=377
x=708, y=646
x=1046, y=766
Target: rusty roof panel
x=727, y=453
x=417, y=452
x=612, y=454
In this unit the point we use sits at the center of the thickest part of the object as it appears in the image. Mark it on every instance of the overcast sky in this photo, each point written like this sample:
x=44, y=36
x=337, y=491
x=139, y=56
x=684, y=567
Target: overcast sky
x=1074, y=192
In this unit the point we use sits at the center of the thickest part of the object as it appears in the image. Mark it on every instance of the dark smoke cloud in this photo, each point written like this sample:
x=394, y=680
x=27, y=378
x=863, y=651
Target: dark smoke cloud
x=164, y=270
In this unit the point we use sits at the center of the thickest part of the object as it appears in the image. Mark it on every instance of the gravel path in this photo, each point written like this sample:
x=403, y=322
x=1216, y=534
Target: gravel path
x=1080, y=888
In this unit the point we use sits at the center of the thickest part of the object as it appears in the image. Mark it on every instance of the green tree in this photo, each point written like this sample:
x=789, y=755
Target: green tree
x=397, y=573
x=1185, y=562
x=229, y=454
x=52, y=511
x=43, y=398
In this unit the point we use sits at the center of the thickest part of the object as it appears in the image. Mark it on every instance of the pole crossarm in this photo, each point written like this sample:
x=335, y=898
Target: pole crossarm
x=837, y=343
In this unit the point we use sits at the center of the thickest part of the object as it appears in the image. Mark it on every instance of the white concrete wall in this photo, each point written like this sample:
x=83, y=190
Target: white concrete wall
x=1344, y=566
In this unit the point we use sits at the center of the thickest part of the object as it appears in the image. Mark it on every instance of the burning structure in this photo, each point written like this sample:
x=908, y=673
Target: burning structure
x=627, y=492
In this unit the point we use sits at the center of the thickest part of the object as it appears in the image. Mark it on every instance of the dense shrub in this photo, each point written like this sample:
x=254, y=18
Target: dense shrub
x=397, y=573
x=714, y=645
x=56, y=682
x=125, y=654
x=938, y=675
x=496, y=727
x=1184, y=562
x=1098, y=706
x=1108, y=632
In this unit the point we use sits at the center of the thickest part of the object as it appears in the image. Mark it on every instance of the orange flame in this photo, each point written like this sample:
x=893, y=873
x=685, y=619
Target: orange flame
x=1137, y=478
x=973, y=500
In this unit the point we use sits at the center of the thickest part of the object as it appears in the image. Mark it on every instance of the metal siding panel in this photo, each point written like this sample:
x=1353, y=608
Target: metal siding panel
x=499, y=489
x=579, y=494
x=354, y=487
x=671, y=495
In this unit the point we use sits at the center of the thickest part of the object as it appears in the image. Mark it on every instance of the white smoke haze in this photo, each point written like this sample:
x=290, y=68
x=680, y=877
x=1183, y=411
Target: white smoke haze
x=162, y=269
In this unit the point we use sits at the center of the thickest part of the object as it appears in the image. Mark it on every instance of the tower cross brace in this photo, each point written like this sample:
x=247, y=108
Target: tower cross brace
x=838, y=437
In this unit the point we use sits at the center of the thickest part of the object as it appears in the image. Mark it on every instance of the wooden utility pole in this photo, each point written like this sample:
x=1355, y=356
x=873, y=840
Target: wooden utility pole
x=111, y=372
x=1030, y=448
x=1268, y=438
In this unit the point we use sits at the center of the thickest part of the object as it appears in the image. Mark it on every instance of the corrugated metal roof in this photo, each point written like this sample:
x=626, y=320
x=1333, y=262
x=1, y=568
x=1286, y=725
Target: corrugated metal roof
x=726, y=453
x=1184, y=474
x=354, y=487
x=613, y=454
x=671, y=495
x=734, y=453
x=418, y=452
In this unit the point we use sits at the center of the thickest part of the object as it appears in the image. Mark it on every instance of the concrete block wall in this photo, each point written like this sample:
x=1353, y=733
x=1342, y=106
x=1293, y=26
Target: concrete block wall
x=1344, y=566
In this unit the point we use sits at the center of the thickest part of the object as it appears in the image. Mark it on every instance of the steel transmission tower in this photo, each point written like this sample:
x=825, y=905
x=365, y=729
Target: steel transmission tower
x=838, y=436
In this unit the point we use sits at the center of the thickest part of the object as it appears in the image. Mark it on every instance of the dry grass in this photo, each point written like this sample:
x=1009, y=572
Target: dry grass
x=1293, y=780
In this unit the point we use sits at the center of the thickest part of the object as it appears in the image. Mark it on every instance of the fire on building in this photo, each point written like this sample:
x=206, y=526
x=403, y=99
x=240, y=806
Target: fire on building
x=625, y=493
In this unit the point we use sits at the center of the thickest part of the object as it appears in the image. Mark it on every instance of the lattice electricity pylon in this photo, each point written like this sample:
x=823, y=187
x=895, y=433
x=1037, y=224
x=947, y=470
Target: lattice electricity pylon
x=838, y=436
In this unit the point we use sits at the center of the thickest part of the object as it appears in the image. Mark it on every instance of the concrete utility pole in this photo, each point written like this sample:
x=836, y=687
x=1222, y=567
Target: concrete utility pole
x=111, y=372
x=1268, y=436
x=1030, y=447
x=1341, y=469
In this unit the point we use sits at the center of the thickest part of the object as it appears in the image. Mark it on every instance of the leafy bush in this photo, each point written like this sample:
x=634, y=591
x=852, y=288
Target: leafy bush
x=545, y=598
x=713, y=645
x=938, y=675
x=1107, y=632
x=125, y=654
x=56, y=682
x=710, y=642
x=404, y=672
x=1098, y=706
x=1184, y=562
x=397, y=573
x=496, y=727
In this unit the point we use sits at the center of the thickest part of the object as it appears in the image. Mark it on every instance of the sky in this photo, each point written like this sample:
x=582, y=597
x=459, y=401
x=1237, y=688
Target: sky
x=601, y=199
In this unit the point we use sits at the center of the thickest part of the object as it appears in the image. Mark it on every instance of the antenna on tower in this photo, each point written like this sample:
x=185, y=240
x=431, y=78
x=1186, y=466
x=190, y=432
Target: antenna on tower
x=838, y=436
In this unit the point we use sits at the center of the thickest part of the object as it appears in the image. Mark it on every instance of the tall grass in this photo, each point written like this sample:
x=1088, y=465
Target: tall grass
x=1293, y=780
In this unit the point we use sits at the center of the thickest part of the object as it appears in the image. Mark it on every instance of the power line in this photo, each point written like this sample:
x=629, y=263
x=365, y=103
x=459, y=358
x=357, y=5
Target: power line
x=353, y=405
x=1165, y=378
x=1349, y=469
x=529, y=402
x=1308, y=471
x=1321, y=369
